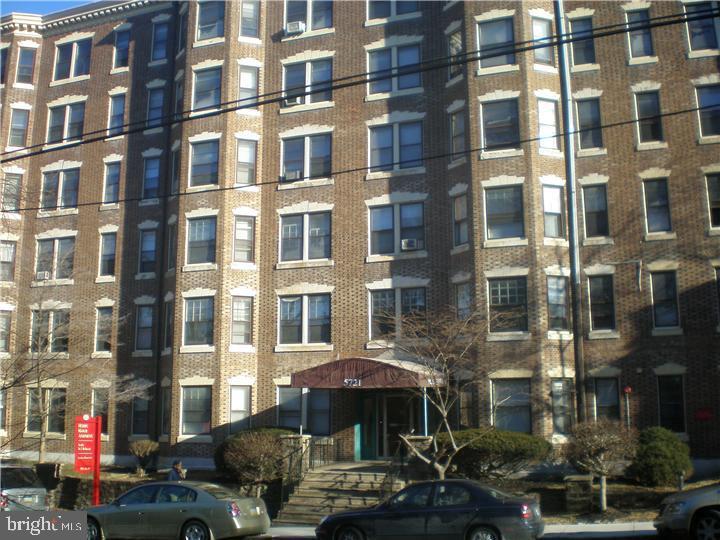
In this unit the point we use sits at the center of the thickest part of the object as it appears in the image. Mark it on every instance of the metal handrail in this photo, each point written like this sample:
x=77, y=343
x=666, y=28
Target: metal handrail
x=295, y=471
x=395, y=470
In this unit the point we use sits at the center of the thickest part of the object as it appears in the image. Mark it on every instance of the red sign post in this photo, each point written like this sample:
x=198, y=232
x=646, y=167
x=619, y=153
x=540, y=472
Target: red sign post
x=87, y=449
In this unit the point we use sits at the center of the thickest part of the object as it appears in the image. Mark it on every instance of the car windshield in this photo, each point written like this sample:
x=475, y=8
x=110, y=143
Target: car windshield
x=12, y=478
x=219, y=493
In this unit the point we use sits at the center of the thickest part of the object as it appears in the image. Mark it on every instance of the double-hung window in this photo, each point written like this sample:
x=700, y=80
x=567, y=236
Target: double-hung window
x=657, y=206
x=179, y=95
x=648, y=114
x=4, y=64
x=308, y=15
x=140, y=417
x=171, y=245
x=500, y=125
x=308, y=82
x=53, y=417
x=713, y=191
x=290, y=407
x=589, y=123
x=111, y=190
x=250, y=18
x=708, y=99
x=397, y=228
x=583, y=45
x=558, y=303
x=199, y=321
x=182, y=32
x=7, y=260
x=548, y=124
x=168, y=324
x=307, y=407
x=596, y=211
x=55, y=258
x=497, y=41
x=244, y=239
x=508, y=304
x=26, y=66
x=210, y=20
x=156, y=98
x=66, y=122
x=396, y=146
x=208, y=84
x=108, y=243
x=60, y=189
x=148, y=251
x=562, y=405
x=553, y=212
x=702, y=31
x=305, y=237
x=121, y=58
x=640, y=35
x=397, y=61
x=388, y=306
x=463, y=300
x=602, y=303
x=304, y=319
x=143, y=328
x=201, y=240
x=511, y=405
x=460, y=220
x=175, y=171
x=11, y=188
x=161, y=31
x=665, y=300
x=307, y=157
x=245, y=165
x=382, y=9
x=242, y=310
x=504, y=212
x=204, y=166
x=103, y=329
x=607, y=398
x=117, y=114
x=457, y=135
x=19, y=120
x=151, y=178
x=671, y=401
x=50, y=330
x=455, y=54
x=5, y=323
x=542, y=30
x=248, y=86
x=72, y=59
x=100, y=401
x=240, y=408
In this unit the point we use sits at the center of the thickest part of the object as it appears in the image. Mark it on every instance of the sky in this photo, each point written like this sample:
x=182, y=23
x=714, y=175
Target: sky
x=41, y=7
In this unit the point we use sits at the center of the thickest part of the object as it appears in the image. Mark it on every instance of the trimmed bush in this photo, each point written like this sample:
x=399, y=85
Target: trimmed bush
x=494, y=453
x=660, y=458
x=144, y=450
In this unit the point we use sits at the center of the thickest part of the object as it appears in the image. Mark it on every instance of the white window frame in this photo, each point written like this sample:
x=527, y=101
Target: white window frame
x=45, y=415
x=155, y=199
x=151, y=123
x=24, y=47
x=216, y=65
x=13, y=109
x=395, y=71
x=100, y=254
x=714, y=173
x=190, y=185
x=543, y=146
x=304, y=320
x=393, y=14
x=248, y=420
x=602, y=331
x=73, y=61
x=645, y=59
x=168, y=323
x=486, y=153
x=306, y=156
x=198, y=347
x=660, y=330
x=12, y=243
x=53, y=273
x=190, y=218
x=141, y=234
x=374, y=341
x=60, y=189
x=110, y=128
x=158, y=61
x=97, y=328
x=684, y=398
x=132, y=418
x=251, y=299
x=66, y=123
x=116, y=68
x=105, y=182
x=258, y=9
x=591, y=149
x=396, y=169
x=209, y=41
x=478, y=35
x=138, y=309
x=307, y=99
x=457, y=221
x=712, y=138
x=305, y=237
x=50, y=330
x=253, y=220
x=702, y=52
x=648, y=233
x=308, y=18
x=659, y=143
x=397, y=240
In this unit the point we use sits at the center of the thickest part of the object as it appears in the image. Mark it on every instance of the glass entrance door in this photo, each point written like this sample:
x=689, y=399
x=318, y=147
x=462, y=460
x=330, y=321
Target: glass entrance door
x=398, y=414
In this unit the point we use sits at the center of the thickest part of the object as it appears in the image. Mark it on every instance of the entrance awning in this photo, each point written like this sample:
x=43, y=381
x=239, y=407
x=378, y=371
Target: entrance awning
x=365, y=373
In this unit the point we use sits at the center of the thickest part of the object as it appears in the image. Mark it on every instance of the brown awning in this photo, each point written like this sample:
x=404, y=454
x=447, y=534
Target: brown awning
x=359, y=373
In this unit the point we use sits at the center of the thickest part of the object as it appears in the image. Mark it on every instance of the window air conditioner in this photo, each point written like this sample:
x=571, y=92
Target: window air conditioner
x=295, y=100
x=295, y=27
x=42, y=276
x=293, y=175
x=409, y=244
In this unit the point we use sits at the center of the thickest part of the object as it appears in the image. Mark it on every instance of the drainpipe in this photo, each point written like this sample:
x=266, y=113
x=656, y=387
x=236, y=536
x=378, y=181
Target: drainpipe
x=575, y=273
x=425, y=412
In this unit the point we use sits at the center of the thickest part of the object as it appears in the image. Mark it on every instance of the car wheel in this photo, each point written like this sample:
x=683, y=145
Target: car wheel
x=483, y=533
x=350, y=533
x=195, y=530
x=706, y=526
x=94, y=531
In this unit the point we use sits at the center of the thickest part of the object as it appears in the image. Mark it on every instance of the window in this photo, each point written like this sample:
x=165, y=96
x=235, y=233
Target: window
x=305, y=319
x=179, y=99
x=504, y=212
x=250, y=18
x=168, y=324
x=143, y=328
x=210, y=20
x=451, y=495
x=554, y=212
x=307, y=407
x=511, y=405
x=140, y=417
x=239, y=406
x=665, y=301
x=151, y=178
x=396, y=146
x=543, y=34
x=397, y=228
x=199, y=318
x=457, y=135
x=709, y=104
x=242, y=307
x=671, y=401
x=107, y=254
x=508, y=305
x=289, y=407
x=657, y=205
x=66, y=122
x=3, y=64
x=100, y=399
x=26, y=66
x=399, y=60
x=175, y=173
x=318, y=414
x=583, y=46
x=172, y=246
x=648, y=115
x=53, y=417
x=50, y=329
x=713, y=187
x=5, y=323
x=312, y=14
x=165, y=410
x=379, y=9
x=413, y=498
x=111, y=191
x=385, y=312
x=602, y=303
x=60, y=189
x=547, y=124
x=117, y=115
x=160, y=41
x=103, y=329
x=640, y=35
x=500, y=125
x=307, y=157
x=196, y=409
x=72, y=59
x=182, y=32
x=305, y=237
x=313, y=78
x=18, y=127
x=248, y=86
x=122, y=49
x=558, y=303
x=497, y=41
x=460, y=220
x=7, y=260
x=607, y=398
x=562, y=405
x=11, y=187
x=245, y=166
x=244, y=241
x=596, y=211
x=55, y=258
x=701, y=32
x=455, y=54
x=3, y=410
x=156, y=97
x=201, y=240
x=463, y=300
x=208, y=84
x=204, y=169
x=589, y=123
x=148, y=257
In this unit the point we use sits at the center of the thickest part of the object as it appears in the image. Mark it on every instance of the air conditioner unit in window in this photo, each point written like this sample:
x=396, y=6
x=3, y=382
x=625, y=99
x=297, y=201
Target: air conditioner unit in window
x=42, y=276
x=295, y=100
x=410, y=244
x=295, y=27
x=293, y=175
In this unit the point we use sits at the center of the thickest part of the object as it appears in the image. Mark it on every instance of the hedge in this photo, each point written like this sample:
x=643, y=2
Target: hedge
x=660, y=458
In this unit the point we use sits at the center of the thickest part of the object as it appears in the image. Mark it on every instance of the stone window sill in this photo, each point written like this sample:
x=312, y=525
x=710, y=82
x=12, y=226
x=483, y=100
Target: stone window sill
x=159, y=62
x=304, y=347
x=101, y=354
x=560, y=335
x=247, y=188
x=397, y=93
x=711, y=139
x=124, y=69
x=703, y=53
x=208, y=42
x=141, y=354
x=243, y=266
x=250, y=40
x=24, y=86
x=58, y=213
x=545, y=68
x=462, y=248
x=457, y=162
x=642, y=60
x=509, y=336
x=501, y=154
x=589, y=152
x=379, y=344
x=505, y=242
x=36, y=435
x=163, y=438
x=419, y=254
x=153, y=130
x=248, y=112
x=238, y=348
x=200, y=267
x=667, y=331
x=105, y=279
x=149, y=202
x=52, y=283
x=394, y=18
x=603, y=334
x=138, y=437
x=652, y=145
x=196, y=439
x=313, y=182
x=551, y=152
x=598, y=241
x=145, y=275
x=653, y=237
x=14, y=216
x=304, y=264
x=456, y=79
x=378, y=175
x=166, y=352
x=70, y=80
x=509, y=68
x=203, y=112
x=713, y=232
x=307, y=107
x=111, y=206
x=188, y=349
x=585, y=67
x=309, y=34
x=559, y=242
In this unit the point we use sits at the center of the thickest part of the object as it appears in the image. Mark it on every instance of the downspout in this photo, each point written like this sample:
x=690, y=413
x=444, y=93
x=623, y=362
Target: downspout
x=575, y=268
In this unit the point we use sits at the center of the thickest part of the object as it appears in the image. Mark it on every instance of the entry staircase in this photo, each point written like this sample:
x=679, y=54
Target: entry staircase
x=336, y=488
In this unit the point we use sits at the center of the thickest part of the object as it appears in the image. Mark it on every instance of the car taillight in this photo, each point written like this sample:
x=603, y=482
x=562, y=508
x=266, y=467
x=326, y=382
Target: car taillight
x=4, y=500
x=233, y=509
x=525, y=511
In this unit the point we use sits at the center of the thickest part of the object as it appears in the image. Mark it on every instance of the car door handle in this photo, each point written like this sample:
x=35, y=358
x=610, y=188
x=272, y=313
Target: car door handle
x=141, y=513
x=182, y=510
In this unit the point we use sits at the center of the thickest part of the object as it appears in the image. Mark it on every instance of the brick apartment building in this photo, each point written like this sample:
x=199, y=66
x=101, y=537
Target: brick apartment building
x=332, y=207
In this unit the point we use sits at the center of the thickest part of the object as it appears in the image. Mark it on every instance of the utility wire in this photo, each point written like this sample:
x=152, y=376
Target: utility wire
x=364, y=78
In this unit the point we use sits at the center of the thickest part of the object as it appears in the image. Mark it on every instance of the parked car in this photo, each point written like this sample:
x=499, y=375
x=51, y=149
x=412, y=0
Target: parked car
x=442, y=510
x=185, y=510
x=694, y=513
x=21, y=489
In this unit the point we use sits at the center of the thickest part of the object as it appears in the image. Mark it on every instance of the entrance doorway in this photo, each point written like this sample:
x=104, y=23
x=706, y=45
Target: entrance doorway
x=384, y=416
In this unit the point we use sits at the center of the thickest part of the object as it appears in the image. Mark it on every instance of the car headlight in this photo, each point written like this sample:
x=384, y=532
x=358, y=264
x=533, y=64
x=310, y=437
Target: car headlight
x=675, y=508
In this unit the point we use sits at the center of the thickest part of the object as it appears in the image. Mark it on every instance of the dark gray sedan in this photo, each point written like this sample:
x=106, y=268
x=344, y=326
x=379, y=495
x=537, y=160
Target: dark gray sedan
x=440, y=510
x=185, y=510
